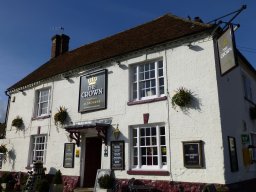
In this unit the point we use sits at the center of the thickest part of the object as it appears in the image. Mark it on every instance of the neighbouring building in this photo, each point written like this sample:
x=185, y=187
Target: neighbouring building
x=170, y=102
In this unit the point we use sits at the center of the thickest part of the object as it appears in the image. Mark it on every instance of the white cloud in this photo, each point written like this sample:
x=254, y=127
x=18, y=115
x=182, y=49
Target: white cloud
x=2, y=110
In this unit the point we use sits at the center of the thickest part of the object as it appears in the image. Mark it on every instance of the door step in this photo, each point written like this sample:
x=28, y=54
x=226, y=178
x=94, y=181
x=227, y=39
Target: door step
x=83, y=190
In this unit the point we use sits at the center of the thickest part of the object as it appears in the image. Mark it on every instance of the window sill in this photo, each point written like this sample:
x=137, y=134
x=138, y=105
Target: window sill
x=42, y=117
x=140, y=172
x=146, y=101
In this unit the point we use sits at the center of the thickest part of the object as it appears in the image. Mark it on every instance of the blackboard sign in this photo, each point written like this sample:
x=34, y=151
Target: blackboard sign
x=192, y=154
x=232, y=154
x=68, y=161
x=1, y=159
x=117, y=155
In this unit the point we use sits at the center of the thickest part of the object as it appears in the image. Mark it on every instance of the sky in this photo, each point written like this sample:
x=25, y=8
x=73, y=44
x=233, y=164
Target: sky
x=26, y=27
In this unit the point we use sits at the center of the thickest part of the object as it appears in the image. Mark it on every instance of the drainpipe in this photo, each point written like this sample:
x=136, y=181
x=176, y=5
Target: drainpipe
x=7, y=108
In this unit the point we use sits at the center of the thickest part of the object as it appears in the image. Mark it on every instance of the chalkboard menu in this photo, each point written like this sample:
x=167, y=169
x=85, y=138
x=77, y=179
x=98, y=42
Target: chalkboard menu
x=192, y=154
x=232, y=154
x=1, y=159
x=68, y=161
x=117, y=155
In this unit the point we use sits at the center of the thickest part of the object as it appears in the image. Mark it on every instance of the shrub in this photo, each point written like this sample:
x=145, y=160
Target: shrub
x=57, y=179
x=42, y=185
x=105, y=182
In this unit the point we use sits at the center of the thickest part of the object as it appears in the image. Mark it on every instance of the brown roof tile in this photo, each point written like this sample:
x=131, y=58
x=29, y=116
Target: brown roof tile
x=163, y=29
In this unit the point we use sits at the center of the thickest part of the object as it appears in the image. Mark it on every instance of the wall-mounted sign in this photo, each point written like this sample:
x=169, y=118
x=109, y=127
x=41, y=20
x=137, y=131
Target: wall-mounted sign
x=93, y=91
x=245, y=139
x=69, y=152
x=226, y=48
x=117, y=155
x=232, y=154
x=192, y=154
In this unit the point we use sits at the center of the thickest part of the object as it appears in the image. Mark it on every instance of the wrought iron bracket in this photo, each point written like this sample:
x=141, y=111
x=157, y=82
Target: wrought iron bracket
x=102, y=133
x=76, y=137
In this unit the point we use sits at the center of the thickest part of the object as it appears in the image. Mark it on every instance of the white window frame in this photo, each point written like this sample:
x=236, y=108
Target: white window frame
x=137, y=80
x=139, y=165
x=34, y=143
x=39, y=102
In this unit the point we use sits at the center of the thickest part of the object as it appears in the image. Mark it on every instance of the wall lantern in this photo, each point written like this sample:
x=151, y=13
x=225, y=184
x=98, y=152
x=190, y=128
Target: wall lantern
x=116, y=132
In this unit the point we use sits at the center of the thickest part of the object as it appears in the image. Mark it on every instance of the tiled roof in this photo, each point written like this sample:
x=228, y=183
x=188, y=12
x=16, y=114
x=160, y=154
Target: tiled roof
x=163, y=29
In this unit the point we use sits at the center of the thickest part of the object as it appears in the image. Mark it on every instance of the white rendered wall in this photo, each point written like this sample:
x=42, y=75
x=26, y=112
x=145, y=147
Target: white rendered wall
x=193, y=69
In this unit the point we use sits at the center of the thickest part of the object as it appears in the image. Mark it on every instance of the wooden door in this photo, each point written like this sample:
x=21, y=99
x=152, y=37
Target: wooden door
x=92, y=160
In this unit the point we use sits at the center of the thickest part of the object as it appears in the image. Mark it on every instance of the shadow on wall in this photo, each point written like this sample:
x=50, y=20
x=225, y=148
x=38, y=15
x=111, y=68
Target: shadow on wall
x=12, y=157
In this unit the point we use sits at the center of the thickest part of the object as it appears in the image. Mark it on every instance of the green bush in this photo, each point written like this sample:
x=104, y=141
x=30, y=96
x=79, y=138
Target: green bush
x=57, y=179
x=42, y=185
x=105, y=182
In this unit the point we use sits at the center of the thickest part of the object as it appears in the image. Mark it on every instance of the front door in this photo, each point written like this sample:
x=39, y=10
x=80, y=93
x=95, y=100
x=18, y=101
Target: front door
x=92, y=160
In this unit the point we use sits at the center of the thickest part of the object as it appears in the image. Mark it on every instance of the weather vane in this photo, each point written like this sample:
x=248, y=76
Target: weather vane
x=60, y=29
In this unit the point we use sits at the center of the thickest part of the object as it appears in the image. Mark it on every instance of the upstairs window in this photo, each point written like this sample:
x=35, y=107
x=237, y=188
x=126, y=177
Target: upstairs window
x=247, y=88
x=42, y=102
x=147, y=80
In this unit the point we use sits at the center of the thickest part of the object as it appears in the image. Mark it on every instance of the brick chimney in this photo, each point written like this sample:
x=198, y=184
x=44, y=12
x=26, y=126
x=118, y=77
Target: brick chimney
x=60, y=45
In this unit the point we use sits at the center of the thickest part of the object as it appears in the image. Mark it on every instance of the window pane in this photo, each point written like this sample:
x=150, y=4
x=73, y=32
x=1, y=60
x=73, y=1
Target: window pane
x=135, y=161
x=162, y=131
x=147, y=75
x=152, y=66
x=143, y=151
x=142, y=132
x=153, y=130
x=153, y=140
x=142, y=142
x=148, y=132
x=162, y=140
x=160, y=64
x=155, y=162
x=152, y=74
x=134, y=132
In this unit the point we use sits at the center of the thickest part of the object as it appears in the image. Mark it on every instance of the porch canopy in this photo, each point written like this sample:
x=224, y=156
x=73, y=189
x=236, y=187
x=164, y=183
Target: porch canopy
x=100, y=128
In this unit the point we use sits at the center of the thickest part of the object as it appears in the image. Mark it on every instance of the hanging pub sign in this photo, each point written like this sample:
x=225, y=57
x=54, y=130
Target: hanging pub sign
x=93, y=91
x=226, y=49
x=117, y=155
x=192, y=154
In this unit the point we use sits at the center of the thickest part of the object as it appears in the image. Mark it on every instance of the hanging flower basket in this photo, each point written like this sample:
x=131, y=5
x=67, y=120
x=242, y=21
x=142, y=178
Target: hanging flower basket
x=182, y=97
x=61, y=116
x=17, y=122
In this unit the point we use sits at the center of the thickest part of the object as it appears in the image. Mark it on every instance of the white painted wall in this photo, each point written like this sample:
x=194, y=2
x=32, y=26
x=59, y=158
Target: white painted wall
x=193, y=69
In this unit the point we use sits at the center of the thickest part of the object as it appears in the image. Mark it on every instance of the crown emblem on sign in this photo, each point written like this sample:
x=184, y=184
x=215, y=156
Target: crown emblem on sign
x=92, y=80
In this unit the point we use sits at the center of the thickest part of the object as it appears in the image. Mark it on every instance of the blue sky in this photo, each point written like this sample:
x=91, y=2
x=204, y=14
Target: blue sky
x=26, y=27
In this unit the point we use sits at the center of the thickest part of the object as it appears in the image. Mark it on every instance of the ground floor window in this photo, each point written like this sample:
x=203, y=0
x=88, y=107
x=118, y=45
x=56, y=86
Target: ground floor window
x=148, y=148
x=38, y=148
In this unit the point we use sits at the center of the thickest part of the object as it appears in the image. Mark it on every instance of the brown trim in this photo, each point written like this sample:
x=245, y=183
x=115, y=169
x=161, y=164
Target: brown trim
x=157, y=173
x=43, y=117
x=129, y=103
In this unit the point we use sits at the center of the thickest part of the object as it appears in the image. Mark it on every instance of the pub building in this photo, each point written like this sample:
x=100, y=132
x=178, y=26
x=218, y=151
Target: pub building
x=170, y=103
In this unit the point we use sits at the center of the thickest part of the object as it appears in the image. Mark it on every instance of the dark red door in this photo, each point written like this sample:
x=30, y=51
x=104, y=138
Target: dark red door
x=92, y=160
